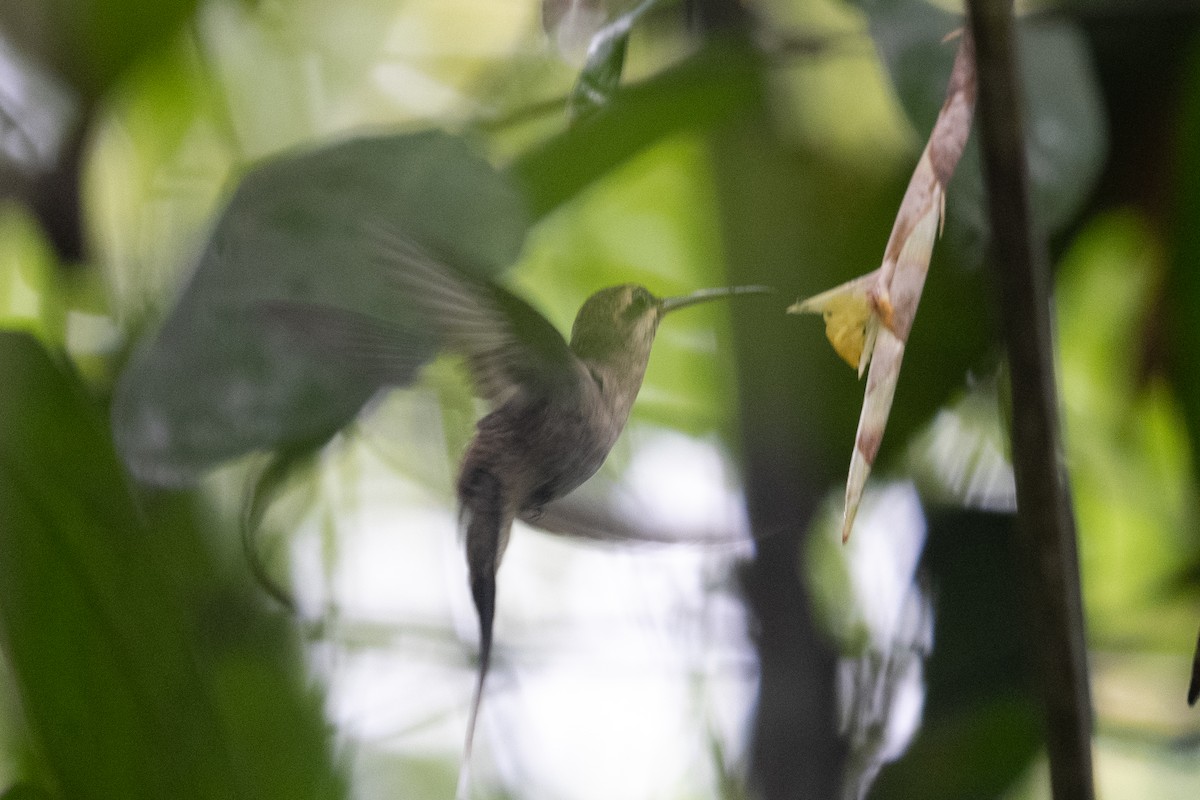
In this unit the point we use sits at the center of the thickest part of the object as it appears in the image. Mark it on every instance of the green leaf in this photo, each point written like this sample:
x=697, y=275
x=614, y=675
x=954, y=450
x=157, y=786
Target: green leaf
x=216, y=382
x=113, y=696
x=601, y=73
x=140, y=674
x=31, y=292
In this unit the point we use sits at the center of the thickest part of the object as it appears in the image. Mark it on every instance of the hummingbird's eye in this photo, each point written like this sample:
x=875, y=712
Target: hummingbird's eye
x=639, y=301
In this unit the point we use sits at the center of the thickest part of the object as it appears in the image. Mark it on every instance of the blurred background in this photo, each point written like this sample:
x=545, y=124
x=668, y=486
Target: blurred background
x=712, y=638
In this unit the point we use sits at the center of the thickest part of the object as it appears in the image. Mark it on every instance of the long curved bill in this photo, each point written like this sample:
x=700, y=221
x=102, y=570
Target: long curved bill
x=668, y=304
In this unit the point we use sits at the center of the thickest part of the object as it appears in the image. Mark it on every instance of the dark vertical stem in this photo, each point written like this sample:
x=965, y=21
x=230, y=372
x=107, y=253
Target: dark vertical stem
x=1044, y=511
x=795, y=750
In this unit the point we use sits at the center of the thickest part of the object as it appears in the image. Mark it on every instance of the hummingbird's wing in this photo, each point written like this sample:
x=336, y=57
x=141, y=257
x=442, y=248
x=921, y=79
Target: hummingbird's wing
x=385, y=352
x=509, y=346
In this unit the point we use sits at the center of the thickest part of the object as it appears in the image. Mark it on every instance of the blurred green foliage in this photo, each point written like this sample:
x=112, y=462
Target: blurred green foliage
x=126, y=688
x=217, y=381
x=31, y=296
x=93, y=42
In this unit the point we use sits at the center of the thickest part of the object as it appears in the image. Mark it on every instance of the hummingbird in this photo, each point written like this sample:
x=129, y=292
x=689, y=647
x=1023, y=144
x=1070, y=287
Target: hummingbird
x=558, y=407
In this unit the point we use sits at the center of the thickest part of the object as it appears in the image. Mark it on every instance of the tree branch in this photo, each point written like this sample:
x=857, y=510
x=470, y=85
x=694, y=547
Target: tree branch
x=1045, y=515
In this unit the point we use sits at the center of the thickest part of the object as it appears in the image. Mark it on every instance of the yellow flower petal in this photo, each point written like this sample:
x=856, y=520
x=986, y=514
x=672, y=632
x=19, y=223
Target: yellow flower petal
x=848, y=314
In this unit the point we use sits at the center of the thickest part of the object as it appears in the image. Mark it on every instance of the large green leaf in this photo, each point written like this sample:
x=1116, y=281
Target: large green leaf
x=140, y=674
x=112, y=693
x=216, y=382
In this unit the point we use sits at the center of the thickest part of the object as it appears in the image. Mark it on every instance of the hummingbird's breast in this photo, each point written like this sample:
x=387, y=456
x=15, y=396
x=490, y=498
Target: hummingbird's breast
x=542, y=445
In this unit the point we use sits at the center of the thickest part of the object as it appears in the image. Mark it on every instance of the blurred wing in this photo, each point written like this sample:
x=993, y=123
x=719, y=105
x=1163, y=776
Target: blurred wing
x=508, y=345
x=385, y=352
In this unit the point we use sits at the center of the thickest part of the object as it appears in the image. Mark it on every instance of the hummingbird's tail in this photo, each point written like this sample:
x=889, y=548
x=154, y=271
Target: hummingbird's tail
x=483, y=592
x=487, y=524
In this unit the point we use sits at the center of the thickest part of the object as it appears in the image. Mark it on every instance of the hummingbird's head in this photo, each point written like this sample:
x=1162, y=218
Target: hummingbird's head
x=617, y=321
x=621, y=321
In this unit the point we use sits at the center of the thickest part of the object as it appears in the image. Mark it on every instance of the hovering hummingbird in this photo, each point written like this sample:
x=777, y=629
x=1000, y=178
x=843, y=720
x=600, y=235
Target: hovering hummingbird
x=557, y=407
